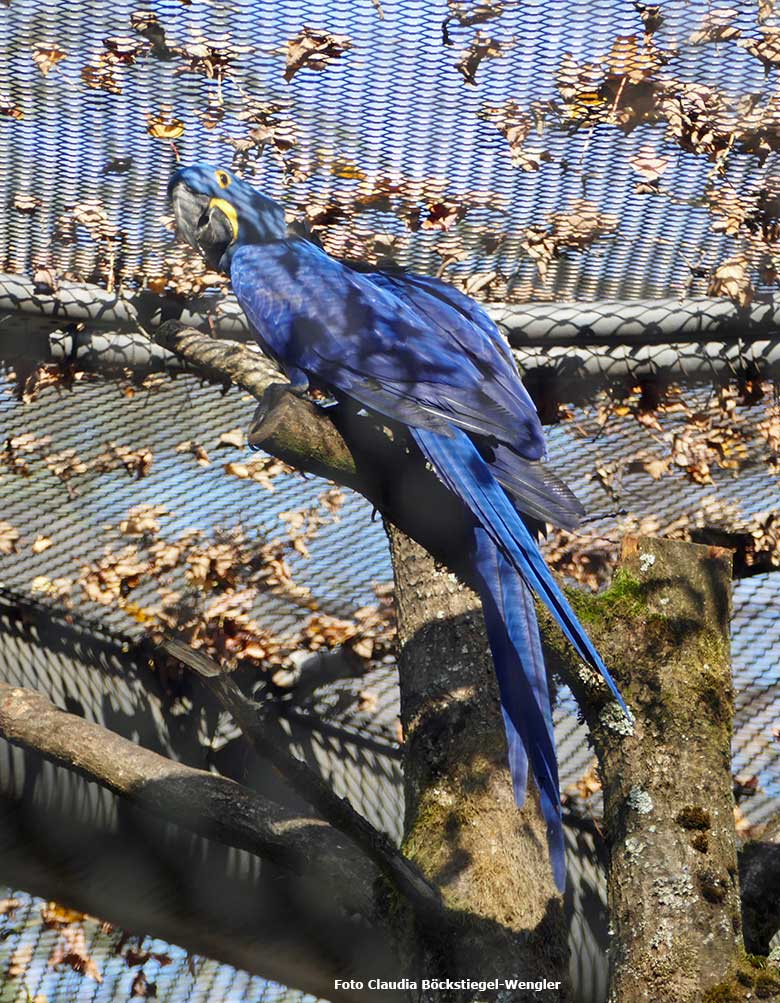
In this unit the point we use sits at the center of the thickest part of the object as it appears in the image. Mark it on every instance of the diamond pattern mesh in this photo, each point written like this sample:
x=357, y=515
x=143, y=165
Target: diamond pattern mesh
x=554, y=150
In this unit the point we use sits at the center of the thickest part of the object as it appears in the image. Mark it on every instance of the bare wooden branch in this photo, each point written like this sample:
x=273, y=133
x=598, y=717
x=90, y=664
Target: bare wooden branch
x=336, y=443
x=255, y=723
x=202, y=802
x=296, y=431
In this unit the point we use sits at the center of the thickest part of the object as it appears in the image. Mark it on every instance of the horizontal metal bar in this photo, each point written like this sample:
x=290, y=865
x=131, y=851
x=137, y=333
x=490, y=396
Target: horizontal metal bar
x=629, y=322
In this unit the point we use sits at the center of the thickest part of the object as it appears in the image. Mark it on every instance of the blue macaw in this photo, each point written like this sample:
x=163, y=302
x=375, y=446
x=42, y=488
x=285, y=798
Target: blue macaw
x=417, y=351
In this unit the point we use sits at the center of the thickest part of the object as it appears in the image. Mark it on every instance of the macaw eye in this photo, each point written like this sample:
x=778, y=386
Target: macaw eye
x=223, y=178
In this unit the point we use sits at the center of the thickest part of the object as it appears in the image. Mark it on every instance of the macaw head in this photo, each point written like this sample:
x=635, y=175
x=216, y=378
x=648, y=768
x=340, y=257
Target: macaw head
x=216, y=212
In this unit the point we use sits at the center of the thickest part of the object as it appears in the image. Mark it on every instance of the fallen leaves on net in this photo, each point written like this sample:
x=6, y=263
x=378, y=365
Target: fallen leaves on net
x=313, y=49
x=482, y=47
x=576, y=229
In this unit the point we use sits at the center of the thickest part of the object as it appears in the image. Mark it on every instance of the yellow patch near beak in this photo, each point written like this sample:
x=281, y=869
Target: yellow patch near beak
x=228, y=210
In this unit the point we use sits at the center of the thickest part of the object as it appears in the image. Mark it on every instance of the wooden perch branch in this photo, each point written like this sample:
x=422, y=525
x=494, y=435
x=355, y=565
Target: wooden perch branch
x=257, y=729
x=297, y=431
x=202, y=802
x=335, y=443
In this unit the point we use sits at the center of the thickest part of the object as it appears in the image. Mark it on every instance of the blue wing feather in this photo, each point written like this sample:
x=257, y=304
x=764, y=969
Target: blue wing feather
x=315, y=314
x=513, y=632
x=457, y=462
x=539, y=493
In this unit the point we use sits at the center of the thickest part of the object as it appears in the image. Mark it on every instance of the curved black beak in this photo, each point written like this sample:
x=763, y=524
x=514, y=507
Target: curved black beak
x=188, y=209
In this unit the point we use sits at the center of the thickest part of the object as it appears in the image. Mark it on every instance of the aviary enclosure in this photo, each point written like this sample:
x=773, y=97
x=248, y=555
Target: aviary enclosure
x=251, y=745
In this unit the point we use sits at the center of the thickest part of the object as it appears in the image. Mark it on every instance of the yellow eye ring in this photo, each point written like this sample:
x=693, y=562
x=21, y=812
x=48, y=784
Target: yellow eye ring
x=223, y=178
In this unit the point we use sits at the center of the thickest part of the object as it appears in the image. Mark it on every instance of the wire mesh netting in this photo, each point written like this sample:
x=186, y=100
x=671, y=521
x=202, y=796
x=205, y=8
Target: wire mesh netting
x=543, y=129
x=541, y=151
x=76, y=517
x=52, y=953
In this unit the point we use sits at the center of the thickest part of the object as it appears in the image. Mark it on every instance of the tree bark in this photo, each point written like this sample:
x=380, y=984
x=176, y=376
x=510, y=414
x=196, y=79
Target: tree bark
x=202, y=802
x=663, y=628
x=463, y=828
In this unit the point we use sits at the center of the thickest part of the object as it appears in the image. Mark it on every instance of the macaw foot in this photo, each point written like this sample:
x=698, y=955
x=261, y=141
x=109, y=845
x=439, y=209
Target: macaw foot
x=271, y=403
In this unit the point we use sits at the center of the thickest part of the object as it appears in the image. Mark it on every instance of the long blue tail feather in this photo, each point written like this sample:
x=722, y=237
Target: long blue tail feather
x=457, y=462
x=513, y=632
x=509, y=564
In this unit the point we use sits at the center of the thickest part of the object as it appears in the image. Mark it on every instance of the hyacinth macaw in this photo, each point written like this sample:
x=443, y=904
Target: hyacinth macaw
x=418, y=351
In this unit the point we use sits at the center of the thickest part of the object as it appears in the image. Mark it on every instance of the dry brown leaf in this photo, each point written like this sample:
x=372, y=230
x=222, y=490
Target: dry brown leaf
x=214, y=564
x=589, y=783
x=313, y=49
x=482, y=47
x=262, y=469
x=148, y=24
x=766, y=48
x=71, y=950
x=651, y=15
x=732, y=280
x=9, y=538
x=323, y=631
x=66, y=464
x=213, y=58
x=730, y=211
x=576, y=229
x=45, y=282
x=197, y=451
x=769, y=430
x=137, y=462
x=656, y=466
x=100, y=77
x=135, y=956
x=15, y=446
x=142, y=988
x=516, y=125
x=26, y=204
x=363, y=647
x=54, y=588
x=54, y=915
x=270, y=127
x=468, y=13
x=125, y=48
x=439, y=216
x=112, y=576
x=9, y=108
x=716, y=26
x=333, y=500
x=142, y=520
x=8, y=906
x=235, y=438
x=41, y=544
x=93, y=217
x=368, y=702
x=46, y=57
x=164, y=127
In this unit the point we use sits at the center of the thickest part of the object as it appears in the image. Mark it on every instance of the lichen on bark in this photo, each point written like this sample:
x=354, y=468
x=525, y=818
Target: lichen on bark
x=668, y=807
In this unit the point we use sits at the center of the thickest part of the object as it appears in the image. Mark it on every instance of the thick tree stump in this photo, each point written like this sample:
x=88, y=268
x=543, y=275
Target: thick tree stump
x=463, y=828
x=663, y=629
